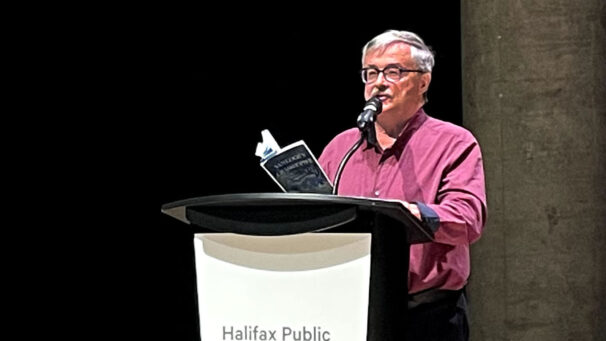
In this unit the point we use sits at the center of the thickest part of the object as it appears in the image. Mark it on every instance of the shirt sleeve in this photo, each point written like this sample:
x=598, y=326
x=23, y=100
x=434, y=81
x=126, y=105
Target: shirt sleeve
x=461, y=198
x=429, y=217
x=325, y=161
x=331, y=156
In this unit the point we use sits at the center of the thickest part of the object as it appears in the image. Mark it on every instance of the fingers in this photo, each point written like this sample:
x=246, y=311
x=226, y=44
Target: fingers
x=413, y=208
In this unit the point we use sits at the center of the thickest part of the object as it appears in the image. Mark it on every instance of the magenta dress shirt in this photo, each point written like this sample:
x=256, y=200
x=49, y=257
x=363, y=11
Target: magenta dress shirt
x=437, y=165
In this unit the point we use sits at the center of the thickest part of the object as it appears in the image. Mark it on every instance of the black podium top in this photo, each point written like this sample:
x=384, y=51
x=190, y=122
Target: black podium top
x=272, y=214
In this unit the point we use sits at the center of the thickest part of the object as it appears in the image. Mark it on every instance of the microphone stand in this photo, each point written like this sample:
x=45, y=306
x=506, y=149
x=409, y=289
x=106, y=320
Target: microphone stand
x=366, y=124
x=366, y=131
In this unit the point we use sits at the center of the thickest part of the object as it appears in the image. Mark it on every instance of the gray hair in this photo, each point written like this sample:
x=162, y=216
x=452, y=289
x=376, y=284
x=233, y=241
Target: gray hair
x=421, y=53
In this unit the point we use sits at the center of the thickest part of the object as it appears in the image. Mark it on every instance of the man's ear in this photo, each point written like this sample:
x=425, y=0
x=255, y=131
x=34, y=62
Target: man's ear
x=425, y=80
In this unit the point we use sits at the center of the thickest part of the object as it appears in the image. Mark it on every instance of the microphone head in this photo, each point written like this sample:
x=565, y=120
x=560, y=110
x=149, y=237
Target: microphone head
x=374, y=104
x=372, y=108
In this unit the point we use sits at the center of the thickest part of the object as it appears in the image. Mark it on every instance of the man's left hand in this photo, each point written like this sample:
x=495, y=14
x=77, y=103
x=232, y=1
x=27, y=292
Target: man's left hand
x=413, y=208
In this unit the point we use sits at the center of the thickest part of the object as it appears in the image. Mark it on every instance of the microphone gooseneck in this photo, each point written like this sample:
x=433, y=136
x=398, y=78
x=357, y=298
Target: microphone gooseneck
x=335, y=188
x=365, y=122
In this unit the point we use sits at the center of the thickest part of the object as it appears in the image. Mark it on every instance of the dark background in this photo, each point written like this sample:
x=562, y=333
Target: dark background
x=222, y=88
x=207, y=88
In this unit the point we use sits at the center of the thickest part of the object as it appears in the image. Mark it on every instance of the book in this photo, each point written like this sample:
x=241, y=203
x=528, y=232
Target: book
x=294, y=168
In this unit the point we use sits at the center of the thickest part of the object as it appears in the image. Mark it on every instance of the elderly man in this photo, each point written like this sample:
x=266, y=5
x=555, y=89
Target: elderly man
x=433, y=167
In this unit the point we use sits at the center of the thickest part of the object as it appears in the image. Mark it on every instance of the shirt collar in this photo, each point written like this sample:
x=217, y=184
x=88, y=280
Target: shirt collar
x=413, y=124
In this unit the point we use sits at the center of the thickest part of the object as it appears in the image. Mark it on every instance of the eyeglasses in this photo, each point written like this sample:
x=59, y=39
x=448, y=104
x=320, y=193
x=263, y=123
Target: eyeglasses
x=392, y=73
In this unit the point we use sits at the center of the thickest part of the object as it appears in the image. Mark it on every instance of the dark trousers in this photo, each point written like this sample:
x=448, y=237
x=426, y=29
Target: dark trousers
x=444, y=319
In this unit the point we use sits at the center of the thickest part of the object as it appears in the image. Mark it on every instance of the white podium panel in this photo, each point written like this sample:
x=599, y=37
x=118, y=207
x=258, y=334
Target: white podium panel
x=307, y=287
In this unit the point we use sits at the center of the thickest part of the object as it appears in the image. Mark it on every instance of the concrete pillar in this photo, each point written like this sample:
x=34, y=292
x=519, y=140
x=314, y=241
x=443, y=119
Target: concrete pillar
x=534, y=94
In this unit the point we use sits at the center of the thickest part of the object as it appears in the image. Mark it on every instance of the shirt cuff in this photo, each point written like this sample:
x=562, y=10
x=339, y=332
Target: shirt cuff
x=429, y=217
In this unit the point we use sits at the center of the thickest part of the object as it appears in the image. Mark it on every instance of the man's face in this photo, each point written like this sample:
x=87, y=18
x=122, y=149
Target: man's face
x=402, y=97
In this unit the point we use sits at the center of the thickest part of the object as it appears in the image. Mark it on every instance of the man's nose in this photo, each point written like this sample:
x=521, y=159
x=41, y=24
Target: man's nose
x=380, y=83
x=380, y=78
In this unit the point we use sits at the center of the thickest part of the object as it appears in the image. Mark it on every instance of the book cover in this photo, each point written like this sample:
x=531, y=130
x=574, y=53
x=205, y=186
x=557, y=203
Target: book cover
x=294, y=168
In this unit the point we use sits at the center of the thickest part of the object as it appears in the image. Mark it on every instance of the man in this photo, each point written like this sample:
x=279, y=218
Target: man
x=434, y=167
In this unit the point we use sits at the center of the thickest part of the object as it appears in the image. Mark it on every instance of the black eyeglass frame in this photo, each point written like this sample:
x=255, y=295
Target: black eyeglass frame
x=401, y=69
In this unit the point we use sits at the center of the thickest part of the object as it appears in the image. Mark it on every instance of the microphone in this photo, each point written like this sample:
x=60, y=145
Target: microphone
x=367, y=117
x=366, y=121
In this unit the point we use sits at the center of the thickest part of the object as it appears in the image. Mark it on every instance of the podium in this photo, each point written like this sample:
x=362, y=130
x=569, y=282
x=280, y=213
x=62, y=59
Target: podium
x=336, y=223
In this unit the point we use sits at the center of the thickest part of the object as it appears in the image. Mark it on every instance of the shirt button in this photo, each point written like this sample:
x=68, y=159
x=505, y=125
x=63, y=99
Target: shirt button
x=377, y=193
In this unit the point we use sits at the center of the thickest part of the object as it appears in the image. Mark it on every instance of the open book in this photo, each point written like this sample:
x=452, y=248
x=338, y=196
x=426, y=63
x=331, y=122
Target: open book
x=294, y=168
